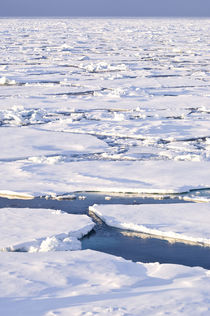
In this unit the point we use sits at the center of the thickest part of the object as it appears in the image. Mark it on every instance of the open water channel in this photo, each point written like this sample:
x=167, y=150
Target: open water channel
x=124, y=243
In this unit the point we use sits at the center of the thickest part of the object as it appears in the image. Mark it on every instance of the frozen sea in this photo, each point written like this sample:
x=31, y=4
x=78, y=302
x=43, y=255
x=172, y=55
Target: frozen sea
x=104, y=111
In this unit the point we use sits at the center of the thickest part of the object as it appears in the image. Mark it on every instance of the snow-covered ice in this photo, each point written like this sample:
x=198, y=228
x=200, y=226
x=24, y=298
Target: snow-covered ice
x=91, y=283
x=46, y=178
x=35, y=230
x=145, y=94
x=112, y=105
x=77, y=92
x=187, y=221
x=26, y=142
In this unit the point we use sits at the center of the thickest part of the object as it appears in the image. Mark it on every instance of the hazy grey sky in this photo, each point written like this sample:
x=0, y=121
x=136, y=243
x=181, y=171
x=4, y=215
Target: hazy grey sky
x=105, y=8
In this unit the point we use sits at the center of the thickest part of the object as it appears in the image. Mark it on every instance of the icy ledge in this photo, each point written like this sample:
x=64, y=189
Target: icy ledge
x=41, y=230
x=92, y=283
x=189, y=222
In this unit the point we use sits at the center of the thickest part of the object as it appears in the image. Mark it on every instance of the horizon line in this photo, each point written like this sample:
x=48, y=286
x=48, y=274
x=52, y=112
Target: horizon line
x=106, y=17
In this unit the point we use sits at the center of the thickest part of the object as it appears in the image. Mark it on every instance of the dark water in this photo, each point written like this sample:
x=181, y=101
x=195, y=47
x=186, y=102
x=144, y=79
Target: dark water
x=119, y=242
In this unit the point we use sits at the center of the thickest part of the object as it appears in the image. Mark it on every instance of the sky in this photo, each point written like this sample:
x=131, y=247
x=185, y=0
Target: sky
x=99, y=8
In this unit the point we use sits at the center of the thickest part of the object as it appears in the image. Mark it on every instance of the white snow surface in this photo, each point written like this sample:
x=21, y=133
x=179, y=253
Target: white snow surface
x=41, y=230
x=109, y=105
x=84, y=283
x=89, y=90
x=186, y=221
x=26, y=142
x=40, y=177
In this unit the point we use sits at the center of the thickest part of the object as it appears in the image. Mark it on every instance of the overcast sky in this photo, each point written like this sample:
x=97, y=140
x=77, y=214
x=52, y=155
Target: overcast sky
x=132, y=8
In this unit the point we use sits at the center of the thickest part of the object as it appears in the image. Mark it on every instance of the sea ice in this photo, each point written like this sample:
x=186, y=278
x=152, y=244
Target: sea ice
x=92, y=283
x=104, y=117
x=27, y=142
x=109, y=113
x=42, y=178
x=6, y=81
x=176, y=221
x=35, y=230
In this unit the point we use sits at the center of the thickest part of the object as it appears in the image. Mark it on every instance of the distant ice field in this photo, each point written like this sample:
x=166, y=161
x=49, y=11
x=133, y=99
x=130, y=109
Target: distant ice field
x=108, y=90
x=119, y=106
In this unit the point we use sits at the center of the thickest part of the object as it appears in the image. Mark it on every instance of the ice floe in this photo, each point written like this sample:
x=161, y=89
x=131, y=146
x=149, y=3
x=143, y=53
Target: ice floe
x=148, y=177
x=92, y=283
x=41, y=230
x=189, y=222
x=29, y=142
